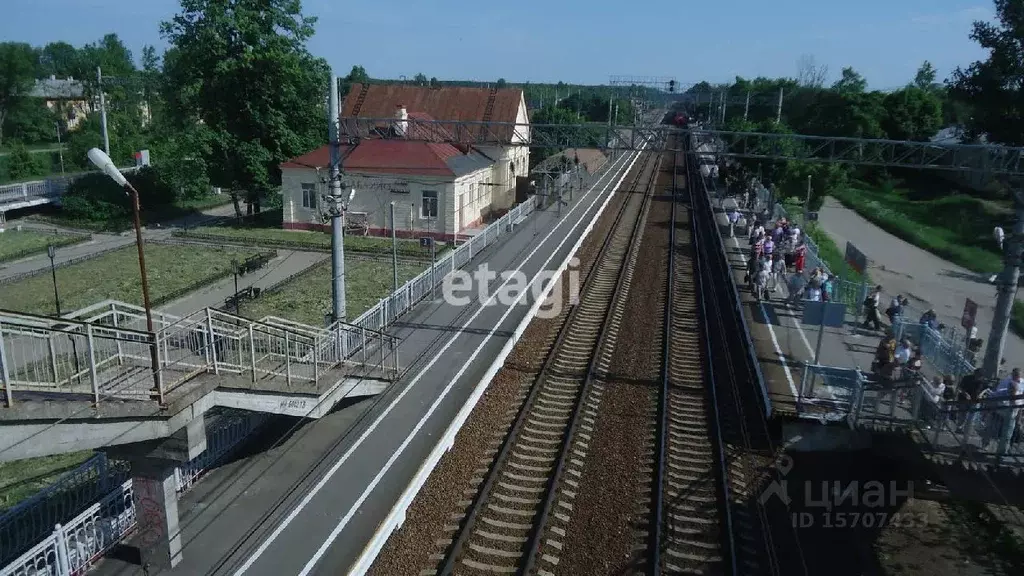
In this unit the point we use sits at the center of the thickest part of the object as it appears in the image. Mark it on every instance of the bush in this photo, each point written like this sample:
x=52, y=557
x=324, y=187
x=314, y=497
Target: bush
x=96, y=197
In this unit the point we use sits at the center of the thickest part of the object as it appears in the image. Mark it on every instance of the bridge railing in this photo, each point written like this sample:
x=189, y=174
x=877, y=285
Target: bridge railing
x=48, y=188
x=108, y=354
x=964, y=429
x=59, y=355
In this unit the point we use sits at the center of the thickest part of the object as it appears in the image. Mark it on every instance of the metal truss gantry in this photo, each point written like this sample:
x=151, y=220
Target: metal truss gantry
x=656, y=82
x=995, y=160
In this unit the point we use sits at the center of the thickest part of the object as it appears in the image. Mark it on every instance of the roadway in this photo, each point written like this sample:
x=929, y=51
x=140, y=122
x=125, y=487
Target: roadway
x=311, y=504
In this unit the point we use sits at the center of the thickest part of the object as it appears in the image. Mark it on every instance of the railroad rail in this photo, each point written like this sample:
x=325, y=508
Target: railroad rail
x=689, y=508
x=521, y=507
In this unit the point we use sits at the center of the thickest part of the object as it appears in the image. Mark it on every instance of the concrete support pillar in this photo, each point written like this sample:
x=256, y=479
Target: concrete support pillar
x=156, y=510
x=155, y=494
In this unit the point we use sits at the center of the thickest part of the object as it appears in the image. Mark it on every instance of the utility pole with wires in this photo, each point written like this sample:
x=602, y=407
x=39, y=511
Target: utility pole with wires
x=103, y=110
x=337, y=207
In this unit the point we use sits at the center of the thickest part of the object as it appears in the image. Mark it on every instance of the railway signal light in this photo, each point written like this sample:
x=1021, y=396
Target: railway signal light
x=671, y=86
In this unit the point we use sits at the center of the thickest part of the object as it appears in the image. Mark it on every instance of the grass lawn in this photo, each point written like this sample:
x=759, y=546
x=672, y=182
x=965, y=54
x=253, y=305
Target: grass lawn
x=23, y=478
x=957, y=228
x=298, y=238
x=115, y=275
x=308, y=297
x=16, y=244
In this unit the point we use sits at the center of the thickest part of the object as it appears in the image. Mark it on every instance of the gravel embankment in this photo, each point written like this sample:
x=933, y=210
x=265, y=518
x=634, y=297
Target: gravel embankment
x=438, y=507
x=610, y=507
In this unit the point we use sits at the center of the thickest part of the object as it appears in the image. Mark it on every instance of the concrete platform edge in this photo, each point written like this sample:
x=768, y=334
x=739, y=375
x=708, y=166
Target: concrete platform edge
x=396, y=517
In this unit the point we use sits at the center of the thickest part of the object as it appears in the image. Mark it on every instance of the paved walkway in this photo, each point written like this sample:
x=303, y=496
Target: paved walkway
x=927, y=280
x=287, y=263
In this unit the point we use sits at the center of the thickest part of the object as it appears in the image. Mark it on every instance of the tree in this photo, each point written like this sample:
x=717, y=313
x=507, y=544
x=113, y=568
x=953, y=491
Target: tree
x=912, y=114
x=19, y=64
x=420, y=79
x=31, y=122
x=993, y=87
x=925, y=77
x=810, y=74
x=500, y=83
x=20, y=164
x=851, y=82
x=243, y=71
x=59, y=59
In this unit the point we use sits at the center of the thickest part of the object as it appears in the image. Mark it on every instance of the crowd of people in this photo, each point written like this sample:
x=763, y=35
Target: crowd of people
x=777, y=257
x=990, y=408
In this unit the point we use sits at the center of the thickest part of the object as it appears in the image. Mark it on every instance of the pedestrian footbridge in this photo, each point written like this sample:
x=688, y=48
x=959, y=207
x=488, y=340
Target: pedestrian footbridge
x=968, y=447
x=97, y=377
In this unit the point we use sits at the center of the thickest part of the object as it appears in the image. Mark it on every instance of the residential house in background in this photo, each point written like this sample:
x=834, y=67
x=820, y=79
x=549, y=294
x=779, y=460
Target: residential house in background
x=440, y=190
x=65, y=96
x=68, y=97
x=452, y=103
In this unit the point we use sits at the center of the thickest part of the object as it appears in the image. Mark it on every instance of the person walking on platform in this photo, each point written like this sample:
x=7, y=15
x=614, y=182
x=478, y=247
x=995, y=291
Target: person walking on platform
x=871, y=319
x=734, y=218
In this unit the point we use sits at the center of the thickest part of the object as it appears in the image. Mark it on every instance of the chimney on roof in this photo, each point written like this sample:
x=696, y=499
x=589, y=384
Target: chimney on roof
x=402, y=117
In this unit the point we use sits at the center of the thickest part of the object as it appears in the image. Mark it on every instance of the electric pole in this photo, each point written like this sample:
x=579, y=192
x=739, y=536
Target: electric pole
x=1006, y=290
x=103, y=111
x=337, y=209
x=394, y=249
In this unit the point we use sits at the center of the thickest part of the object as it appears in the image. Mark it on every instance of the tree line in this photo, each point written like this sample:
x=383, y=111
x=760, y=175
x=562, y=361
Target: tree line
x=236, y=93
x=979, y=103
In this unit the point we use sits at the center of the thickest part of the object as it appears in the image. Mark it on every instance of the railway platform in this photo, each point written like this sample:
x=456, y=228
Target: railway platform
x=809, y=394
x=312, y=502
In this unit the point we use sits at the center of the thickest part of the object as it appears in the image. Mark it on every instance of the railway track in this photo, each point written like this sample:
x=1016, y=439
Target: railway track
x=693, y=524
x=522, y=504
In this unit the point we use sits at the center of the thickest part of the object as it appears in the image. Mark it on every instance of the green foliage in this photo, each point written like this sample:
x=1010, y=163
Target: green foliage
x=260, y=45
x=19, y=64
x=993, y=86
x=912, y=114
x=21, y=166
x=957, y=228
x=95, y=197
x=925, y=77
x=33, y=166
x=1017, y=318
x=31, y=122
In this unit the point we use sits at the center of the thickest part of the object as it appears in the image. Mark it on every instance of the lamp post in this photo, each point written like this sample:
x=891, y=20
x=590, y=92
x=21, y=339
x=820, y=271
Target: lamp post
x=52, y=253
x=104, y=163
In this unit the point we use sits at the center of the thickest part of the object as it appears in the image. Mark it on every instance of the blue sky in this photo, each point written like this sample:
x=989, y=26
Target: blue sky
x=573, y=41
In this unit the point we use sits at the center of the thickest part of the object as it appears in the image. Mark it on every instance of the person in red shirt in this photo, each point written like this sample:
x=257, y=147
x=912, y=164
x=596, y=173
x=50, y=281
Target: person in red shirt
x=801, y=256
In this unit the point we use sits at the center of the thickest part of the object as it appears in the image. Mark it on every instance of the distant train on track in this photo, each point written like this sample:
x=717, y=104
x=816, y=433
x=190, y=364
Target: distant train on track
x=681, y=120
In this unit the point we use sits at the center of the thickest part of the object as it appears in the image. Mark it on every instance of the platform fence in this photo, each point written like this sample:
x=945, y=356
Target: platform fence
x=88, y=510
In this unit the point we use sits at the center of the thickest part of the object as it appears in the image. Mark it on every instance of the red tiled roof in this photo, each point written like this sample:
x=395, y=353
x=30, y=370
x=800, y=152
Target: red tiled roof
x=442, y=103
x=446, y=103
x=391, y=155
